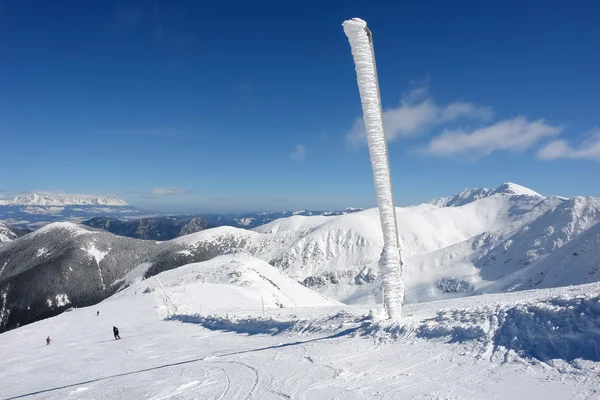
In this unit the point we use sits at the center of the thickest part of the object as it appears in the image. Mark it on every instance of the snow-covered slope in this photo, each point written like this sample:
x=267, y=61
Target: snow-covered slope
x=539, y=344
x=233, y=282
x=34, y=199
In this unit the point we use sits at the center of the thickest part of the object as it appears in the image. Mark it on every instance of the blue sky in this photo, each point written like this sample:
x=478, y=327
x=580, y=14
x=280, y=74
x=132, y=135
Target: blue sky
x=198, y=106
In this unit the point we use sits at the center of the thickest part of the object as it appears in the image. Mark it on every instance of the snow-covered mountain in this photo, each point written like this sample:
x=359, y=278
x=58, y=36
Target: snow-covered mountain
x=510, y=239
x=34, y=199
x=62, y=265
x=470, y=195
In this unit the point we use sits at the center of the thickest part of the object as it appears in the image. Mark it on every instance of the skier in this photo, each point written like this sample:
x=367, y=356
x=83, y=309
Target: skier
x=47, y=340
x=116, y=333
x=97, y=313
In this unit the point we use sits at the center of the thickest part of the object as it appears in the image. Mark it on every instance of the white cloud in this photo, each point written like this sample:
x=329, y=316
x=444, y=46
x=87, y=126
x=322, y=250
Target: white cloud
x=588, y=149
x=167, y=191
x=515, y=134
x=299, y=154
x=416, y=114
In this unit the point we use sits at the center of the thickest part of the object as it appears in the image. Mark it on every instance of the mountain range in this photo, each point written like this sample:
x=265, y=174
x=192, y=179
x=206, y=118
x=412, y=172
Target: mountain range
x=170, y=227
x=500, y=240
x=115, y=215
x=34, y=199
x=34, y=211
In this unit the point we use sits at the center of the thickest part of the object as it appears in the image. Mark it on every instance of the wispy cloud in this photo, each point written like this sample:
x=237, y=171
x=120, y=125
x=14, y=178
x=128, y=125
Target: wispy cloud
x=129, y=16
x=169, y=191
x=517, y=134
x=244, y=87
x=154, y=21
x=589, y=149
x=417, y=114
x=299, y=154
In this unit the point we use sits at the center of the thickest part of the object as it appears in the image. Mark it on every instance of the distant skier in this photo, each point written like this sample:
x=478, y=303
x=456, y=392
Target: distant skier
x=116, y=333
x=97, y=313
x=47, y=340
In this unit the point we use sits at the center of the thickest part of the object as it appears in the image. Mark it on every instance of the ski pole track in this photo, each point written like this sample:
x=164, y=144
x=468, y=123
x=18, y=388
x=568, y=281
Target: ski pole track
x=248, y=367
x=228, y=384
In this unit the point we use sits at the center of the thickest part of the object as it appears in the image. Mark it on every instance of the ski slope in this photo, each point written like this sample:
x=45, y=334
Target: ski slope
x=523, y=345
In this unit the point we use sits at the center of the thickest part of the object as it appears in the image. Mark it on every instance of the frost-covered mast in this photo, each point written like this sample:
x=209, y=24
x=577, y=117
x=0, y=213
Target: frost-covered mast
x=361, y=42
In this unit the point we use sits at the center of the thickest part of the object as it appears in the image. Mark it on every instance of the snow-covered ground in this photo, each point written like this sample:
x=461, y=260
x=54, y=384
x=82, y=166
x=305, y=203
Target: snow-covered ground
x=541, y=344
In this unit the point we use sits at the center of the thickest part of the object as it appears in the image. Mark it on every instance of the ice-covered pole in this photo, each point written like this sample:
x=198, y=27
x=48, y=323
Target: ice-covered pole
x=361, y=42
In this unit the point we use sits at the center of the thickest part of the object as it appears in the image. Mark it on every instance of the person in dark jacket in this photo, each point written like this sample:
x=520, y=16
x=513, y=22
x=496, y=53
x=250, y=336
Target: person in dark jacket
x=48, y=340
x=116, y=333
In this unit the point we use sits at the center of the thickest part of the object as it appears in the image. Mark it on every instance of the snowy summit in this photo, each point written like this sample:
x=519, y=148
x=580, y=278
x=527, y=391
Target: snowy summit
x=469, y=195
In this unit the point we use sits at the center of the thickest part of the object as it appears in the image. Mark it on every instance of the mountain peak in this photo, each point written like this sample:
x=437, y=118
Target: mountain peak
x=34, y=199
x=470, y=195
x=514, y=189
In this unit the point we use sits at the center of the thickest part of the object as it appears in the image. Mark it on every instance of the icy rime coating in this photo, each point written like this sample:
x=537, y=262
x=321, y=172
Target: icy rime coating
x=366, y=73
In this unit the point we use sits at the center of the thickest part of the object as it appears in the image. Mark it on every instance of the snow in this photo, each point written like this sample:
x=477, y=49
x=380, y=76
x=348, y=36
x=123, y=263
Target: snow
x=470, y=195
x=514, y=189
x=525, y=345
x=135, y=275
x=41, y=252
x=4, y=266
x=233, y=282
x=194, y=239
x=73, y=229
x=366, y=73
x=95, y=253
x=244, y=221
x=294, y=223
x=62, y=300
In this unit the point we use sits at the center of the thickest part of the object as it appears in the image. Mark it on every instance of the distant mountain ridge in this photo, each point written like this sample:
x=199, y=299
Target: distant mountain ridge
x=154, y=228
x=170, y=227
x=34, y=199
